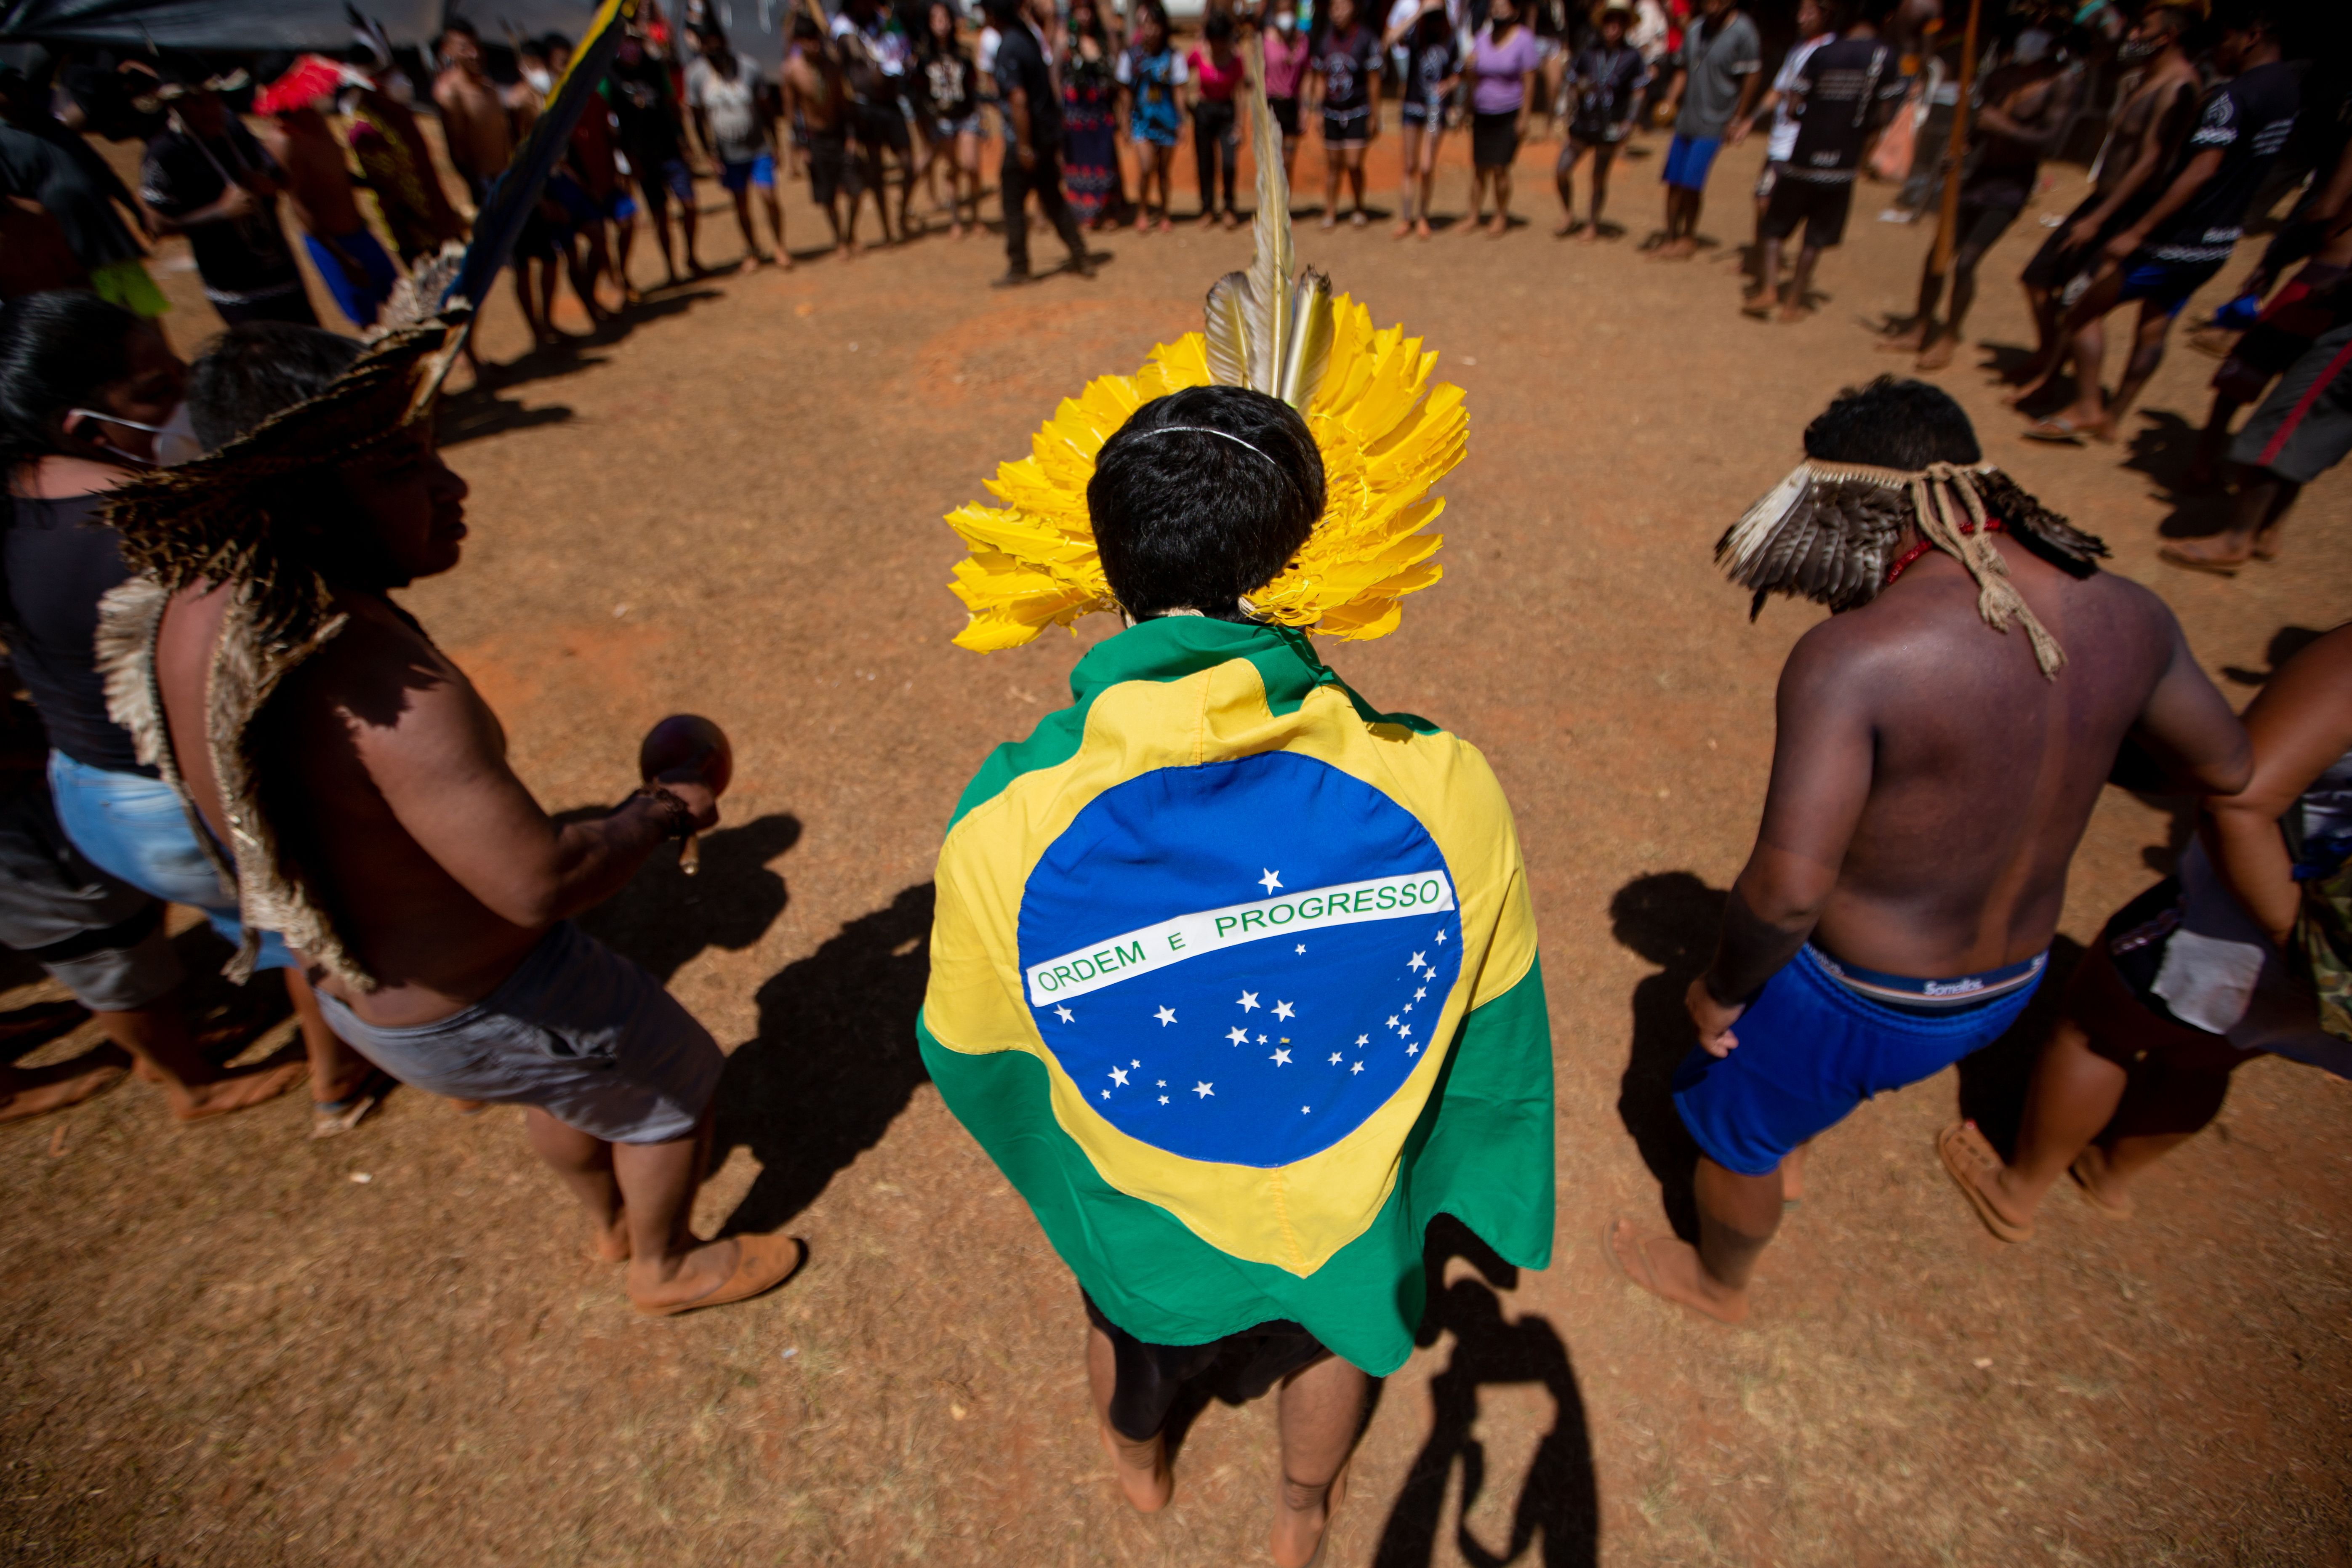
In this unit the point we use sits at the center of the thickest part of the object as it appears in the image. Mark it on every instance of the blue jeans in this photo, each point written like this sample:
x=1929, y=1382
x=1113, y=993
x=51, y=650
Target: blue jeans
x=135, y=829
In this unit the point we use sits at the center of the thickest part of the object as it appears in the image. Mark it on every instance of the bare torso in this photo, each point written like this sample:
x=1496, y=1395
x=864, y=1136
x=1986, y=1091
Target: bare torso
x=475, y=123
x=317, y=178
x=2161, y=102
x=813, y=98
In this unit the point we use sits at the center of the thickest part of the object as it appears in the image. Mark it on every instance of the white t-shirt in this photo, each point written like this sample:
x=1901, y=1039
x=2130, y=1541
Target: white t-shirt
x=731, y=106
x=1782, y=145
x=1124, y=71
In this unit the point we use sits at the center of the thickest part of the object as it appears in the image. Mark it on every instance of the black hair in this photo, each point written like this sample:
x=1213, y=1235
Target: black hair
x=57, y=348
x=458, y=25
x=1892, y=424
x=1217, y=28
x=554, y=41
x=259, y=369
x=804, y=27
x=1186, y=519
x=1156, y=12
x=1002, y=12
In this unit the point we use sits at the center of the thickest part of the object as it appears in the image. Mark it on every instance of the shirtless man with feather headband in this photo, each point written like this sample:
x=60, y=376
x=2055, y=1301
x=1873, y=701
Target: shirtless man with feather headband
x=1943, y=737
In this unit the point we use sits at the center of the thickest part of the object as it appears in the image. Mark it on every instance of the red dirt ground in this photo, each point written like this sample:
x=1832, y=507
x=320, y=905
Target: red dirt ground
x=223, y=1346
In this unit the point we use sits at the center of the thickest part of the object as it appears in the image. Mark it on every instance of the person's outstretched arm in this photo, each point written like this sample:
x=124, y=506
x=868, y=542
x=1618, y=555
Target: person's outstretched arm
x=2299, y=725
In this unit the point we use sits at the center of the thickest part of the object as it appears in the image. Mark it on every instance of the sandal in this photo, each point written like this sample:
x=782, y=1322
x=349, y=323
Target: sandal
x=2057, y=431
x=1963, y=1149
x=334, y=1118
x=2088, y=1168
x=761, y=1263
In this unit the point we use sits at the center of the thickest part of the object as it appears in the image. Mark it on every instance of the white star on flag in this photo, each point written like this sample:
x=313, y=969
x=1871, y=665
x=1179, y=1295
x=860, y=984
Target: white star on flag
x=1066, y=1016
x=1133, y=1063
x=1270, y=882
x=1238, y=1037
x=1284, y=1010
x=1164, y=1099
x=1166, y=1015
x=1440, y=938
x=1358, y=1067
x=1406, y=1033
x=1302, y=1110
x=1248, y=1001
x=1106, y=1094
x=1335, y=1058
x=1302, y=947
x=1392, y=1020
x=1162, y=1084
x=1420, y=993
x=1408, y=1006
x=1204, y=1090
x=1261, y=1040
x=1280, y=1058
x=1119, y=1077
x=1361, y=1041
x=1413, y=1050
x=1419, y=961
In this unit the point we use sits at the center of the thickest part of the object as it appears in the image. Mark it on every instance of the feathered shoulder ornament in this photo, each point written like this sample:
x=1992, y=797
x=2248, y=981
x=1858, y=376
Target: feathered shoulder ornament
x=1832, y=533
x=1386, y=435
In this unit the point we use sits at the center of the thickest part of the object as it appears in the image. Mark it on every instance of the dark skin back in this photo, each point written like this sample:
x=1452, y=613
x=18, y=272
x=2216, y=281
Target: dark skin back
x=1929, y=785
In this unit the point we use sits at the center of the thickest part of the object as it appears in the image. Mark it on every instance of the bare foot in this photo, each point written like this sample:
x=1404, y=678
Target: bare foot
x=1976, y=1168
x=1755, y=303
x=1358, y=218
x=714, y=1273
x=1909, y=340
x=1675, y=250
x=847, y=251
x=1166, y=225
x=750, y=263
x=1299, y=1531
x=36, y=1092
x=1499, y=227
x=1566, y=227
x=1146, y=1486
x=1588, y=233
x=1421, y=229
x=1233, y=218
x=237, y=1091
x=1668, y=1267
x=1330, y=220
x=2223, y=555
x=1403, y=227
x=1939, y=355
x=2098, y=1184
x=1793, y=311
x=610, y=1243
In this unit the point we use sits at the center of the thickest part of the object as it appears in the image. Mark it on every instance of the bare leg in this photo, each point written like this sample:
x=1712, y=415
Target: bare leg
x=1411, y=135
x=776, y=227
x=2074, y=1093
x=667, y=1266
x=2148, y=352
x=1320, y=1414
x=158, y=1037
x=1796, y=308
x=2257, y=512
x=585, y=1165
x=690, y=224
x=1937, y=347
x=1767, y=292
x=1601, y=158
x=625, y=241
x=1355, y=179
x=35, y=1091
x=1736, y=1219
x=1502, y=202
x=752, y=257
x=2205, y=463
x=1331, y=164
x=2083, y=334
x=1563, y=179
x=659, y=209
x=1920, y=331
x=1141, y=1468
x=337, y=1071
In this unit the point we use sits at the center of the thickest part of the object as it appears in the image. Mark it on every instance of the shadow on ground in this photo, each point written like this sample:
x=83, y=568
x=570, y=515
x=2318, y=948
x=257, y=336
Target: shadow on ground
x=1559, y=1500
x=1670, y=919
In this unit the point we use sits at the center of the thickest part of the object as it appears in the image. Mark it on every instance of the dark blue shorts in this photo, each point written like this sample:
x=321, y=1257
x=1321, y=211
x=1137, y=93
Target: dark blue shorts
x=2164, y=286
x=1809, y=1051
x=1689, y=159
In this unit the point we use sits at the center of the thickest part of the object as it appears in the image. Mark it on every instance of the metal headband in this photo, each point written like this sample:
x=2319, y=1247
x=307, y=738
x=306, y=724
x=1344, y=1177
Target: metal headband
x=1212, y=430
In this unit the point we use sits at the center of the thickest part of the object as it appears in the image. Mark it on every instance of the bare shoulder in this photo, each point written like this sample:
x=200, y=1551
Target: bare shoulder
x=380, y=673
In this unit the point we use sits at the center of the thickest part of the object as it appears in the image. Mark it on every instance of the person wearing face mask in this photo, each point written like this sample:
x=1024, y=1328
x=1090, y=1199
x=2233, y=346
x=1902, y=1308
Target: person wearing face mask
x=1287, y=53
x=85, y=389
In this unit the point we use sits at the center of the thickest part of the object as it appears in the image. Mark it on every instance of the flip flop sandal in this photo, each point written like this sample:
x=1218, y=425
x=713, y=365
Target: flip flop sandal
x=334, y=1118
x=2198, y=563
x=2055, y=431
x=761, y=1263
x=1963, y=1149
x=2085, y=1171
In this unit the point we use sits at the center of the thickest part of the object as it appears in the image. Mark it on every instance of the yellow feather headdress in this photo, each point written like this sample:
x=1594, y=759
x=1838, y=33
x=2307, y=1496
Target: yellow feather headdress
x=1386, y=435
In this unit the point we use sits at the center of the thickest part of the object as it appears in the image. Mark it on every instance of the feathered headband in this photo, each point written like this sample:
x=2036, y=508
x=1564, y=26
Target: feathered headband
x=1828, y=532
x=1386, y=437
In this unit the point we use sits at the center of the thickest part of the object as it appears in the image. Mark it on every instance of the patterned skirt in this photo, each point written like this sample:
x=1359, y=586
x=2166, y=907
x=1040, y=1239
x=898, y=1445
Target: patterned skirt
x=1089, y=153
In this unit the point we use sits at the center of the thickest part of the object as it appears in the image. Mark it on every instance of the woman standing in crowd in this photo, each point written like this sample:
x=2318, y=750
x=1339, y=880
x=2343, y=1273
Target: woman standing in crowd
x=1432, y=67
x=1346, y=58
x=1151, y=71
x=1604, y=86
x=1216, y=70
x=952, y=88
x=1502, y=67
x=1286, y=52
x=1090, y=171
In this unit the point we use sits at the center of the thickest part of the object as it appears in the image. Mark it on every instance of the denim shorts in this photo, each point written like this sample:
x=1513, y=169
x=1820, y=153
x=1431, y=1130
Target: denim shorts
x=135, y=829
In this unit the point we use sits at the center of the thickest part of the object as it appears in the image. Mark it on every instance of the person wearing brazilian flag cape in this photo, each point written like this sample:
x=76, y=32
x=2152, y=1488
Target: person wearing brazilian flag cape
x=1233, y=975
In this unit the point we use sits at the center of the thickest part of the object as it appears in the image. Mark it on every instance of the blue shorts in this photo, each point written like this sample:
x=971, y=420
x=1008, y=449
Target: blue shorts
x=1810, y=1049
x=135, y=829
x=761, y=172
x=1688, y=158
x=362, y=299
x=2164, y=286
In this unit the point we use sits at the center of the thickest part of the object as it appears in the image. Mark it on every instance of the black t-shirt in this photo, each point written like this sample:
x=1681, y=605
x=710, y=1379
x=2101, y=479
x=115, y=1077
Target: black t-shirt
x=639, y=92
x=2248, y=118
x=1606, y=82
x=948, y=83
x=73, y=185
x=1426, y=68
x=1020, y=63
x=60, y=560
x=1849, y=87
x=244, y=260
x=1348, y=62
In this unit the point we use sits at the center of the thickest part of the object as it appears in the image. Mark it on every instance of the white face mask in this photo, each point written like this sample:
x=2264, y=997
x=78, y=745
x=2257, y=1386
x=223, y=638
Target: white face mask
x=1284, y=21
x=176, y=442
x=102, y=418
x=541, y=82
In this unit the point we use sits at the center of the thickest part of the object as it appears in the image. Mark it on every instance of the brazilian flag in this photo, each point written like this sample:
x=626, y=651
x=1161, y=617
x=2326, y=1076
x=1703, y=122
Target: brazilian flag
x=1236, y=981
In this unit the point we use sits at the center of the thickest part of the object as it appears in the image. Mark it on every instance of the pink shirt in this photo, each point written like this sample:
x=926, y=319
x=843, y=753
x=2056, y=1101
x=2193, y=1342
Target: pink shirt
x=1217, y=86
x=1285, y=64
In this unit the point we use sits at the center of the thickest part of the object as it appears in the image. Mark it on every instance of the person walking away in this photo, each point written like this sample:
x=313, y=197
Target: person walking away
x=86, y=388
x=2150, y=126
x=1215, y=70
x=1604, y=83
x=1090, y=124
x=1287, y=55
x=2185, y=236
x=1723, y=60
x=734, y=109
x=1433, y=69
x=2240, y=954
x=204, y=175
x=1345, y=56
x=951, y=98
x=2024, y=107
x=1151, y=72
x=1501, y=67
x=1845, y=93
x=396, y=167
x=653, y=139
x=1033, y=157
x=1813, y=32
x=1148, y=1117
x=1940, y=90
x=1873, y=940
x=351, y=262
x=430, y=894
x=590, y=184
x=816, y=105
x=43, y=162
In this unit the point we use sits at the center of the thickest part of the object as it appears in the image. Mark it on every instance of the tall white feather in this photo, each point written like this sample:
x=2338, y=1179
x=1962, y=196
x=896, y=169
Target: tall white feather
x=1753, y=533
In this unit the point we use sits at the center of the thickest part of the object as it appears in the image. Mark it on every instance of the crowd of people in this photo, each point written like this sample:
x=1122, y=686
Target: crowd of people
x=199, y=558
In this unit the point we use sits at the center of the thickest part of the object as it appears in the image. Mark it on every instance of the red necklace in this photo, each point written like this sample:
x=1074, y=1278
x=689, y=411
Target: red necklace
x=1992, y=525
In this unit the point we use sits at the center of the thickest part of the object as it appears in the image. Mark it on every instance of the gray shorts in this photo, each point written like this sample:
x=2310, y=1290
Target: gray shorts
x=2304, y=427
x=577, y=1031
x=101, y=939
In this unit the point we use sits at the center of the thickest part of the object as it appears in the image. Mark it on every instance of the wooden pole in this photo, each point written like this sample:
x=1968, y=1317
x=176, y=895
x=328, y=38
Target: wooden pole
x=1954, y=147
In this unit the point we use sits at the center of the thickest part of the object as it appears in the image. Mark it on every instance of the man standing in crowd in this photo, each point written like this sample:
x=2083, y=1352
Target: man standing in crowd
x=2297, y=433
x=2178, y=245
x=1723, y=62
x=1845, y=93
x=40, y=159
x=1604, y=85
x=475, y=125
x=816, y=114
x=350, y=261
x=1930, y=781
x=206, y=177
x=390, y=842
x=1033, y=145
x=653, y=139
x=874, y=54
x=1813, y=32
x=733, y=110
